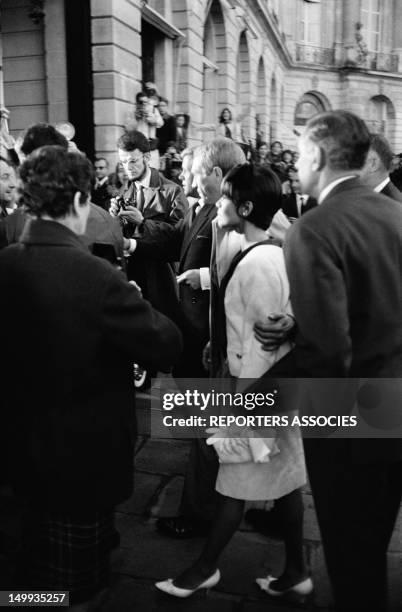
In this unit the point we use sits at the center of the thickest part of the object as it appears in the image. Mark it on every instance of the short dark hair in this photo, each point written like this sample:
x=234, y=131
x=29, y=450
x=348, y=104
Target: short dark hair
x=40, y=135
x=257, y=184
x=50, y=178
x=141, y=94
x=98, y=159
x=381, y=146
x=291, y=170
x=342, y=136
x=131, y=140
x=162, y=99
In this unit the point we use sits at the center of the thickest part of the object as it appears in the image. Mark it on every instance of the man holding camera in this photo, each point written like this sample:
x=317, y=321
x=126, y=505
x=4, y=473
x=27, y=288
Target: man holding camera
x=150, y=200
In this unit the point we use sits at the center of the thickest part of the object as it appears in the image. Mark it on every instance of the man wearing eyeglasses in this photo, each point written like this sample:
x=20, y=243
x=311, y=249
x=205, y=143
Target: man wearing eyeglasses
x=149, y=201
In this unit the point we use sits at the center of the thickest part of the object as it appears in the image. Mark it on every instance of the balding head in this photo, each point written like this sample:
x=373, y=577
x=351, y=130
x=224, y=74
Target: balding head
x=334, y=144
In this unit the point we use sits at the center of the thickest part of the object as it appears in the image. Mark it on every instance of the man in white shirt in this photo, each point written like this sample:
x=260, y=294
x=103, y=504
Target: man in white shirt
x=296, y=203
x=376, y=170
x=100, y=194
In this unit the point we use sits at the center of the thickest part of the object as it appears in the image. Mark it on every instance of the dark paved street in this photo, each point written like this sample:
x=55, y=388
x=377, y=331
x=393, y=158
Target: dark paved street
x=146, y=556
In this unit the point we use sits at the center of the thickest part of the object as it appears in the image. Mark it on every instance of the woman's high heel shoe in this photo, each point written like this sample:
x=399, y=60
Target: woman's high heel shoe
x=301, y=589
x=168, y=587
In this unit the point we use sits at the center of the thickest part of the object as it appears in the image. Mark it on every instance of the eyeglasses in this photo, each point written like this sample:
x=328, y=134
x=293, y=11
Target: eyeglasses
x=132, y=161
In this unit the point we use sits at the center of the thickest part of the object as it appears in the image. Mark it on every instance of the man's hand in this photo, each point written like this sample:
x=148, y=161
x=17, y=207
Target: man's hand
x=274, y=331
x=132, y=215
x=191, y=277
x=4, y=113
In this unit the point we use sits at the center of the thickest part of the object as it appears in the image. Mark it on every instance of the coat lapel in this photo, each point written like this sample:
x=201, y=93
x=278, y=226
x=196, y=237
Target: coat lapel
x=205, y=216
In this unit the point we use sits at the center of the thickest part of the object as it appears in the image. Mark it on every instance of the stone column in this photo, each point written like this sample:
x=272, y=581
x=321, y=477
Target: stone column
x=56, y=62
x=117, y=70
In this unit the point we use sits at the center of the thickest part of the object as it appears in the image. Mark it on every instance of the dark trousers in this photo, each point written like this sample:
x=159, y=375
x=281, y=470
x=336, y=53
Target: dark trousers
x=357, y=506
x=199, y=498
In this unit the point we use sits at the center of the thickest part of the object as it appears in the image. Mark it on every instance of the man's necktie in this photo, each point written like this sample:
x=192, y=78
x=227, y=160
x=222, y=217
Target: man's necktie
x=303, y=205
x=194, y=212
x=140, y=198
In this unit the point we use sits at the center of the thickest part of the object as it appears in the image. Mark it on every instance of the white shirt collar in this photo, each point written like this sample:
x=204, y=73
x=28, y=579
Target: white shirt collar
x=101, y=181
x=326, y=191
x=381, y=186
x=145, y=181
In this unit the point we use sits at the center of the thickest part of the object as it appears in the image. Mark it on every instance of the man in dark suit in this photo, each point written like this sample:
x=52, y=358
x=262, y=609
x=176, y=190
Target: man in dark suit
x=189, y=243
x=100, y=193
x=296, y=203
x=74, y=327
x=378, y=164
x=344, y=264
x=150, y=202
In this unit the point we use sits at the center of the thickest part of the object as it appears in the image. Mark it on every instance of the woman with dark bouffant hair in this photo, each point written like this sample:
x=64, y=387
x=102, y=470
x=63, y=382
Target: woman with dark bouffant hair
x=252, y=467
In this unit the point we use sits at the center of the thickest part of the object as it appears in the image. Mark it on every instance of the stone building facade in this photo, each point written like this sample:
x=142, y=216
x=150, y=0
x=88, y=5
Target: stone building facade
x=275, y=62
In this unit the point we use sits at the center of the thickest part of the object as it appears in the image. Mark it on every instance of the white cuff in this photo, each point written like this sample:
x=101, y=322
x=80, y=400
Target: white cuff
x=205, y=279
x=132, y=247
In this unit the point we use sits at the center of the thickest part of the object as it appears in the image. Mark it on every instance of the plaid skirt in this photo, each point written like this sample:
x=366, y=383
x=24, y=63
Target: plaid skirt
x=67, y=552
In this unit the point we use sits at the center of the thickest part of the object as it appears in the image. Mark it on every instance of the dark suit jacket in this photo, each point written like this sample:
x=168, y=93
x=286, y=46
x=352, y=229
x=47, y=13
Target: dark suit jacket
x=189, y=242
x=166, y=133
x=392, y=191
x=74, y=328
x=11, y=227
x=344, y=261
x=101, y=229
x=164, y=204
x=101, y=196
x=289, y=205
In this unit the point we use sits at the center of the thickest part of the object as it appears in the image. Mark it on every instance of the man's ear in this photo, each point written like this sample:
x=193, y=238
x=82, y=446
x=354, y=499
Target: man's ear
x=218, y=173
x=77, y=204
x=147, y=157
x=374, y=161
x=245, y=209
x=319, y=158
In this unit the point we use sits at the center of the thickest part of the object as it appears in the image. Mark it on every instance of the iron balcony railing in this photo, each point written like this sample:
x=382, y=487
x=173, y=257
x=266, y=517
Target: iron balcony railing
x=385, y=62
x=322, y=56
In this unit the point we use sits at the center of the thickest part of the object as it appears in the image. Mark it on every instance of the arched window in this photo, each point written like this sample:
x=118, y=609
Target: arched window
x=214, y=79
x=274, y=110
x=309, y=105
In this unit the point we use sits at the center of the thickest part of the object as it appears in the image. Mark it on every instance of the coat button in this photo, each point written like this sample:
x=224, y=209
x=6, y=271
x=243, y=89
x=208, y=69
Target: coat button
x=193, y=300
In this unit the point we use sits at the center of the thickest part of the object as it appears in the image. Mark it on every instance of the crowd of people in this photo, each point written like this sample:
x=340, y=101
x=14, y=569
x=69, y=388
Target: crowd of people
x=283, y=265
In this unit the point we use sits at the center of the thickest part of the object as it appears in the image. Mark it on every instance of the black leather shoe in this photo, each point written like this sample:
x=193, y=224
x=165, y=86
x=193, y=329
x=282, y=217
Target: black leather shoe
x=180, y=527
